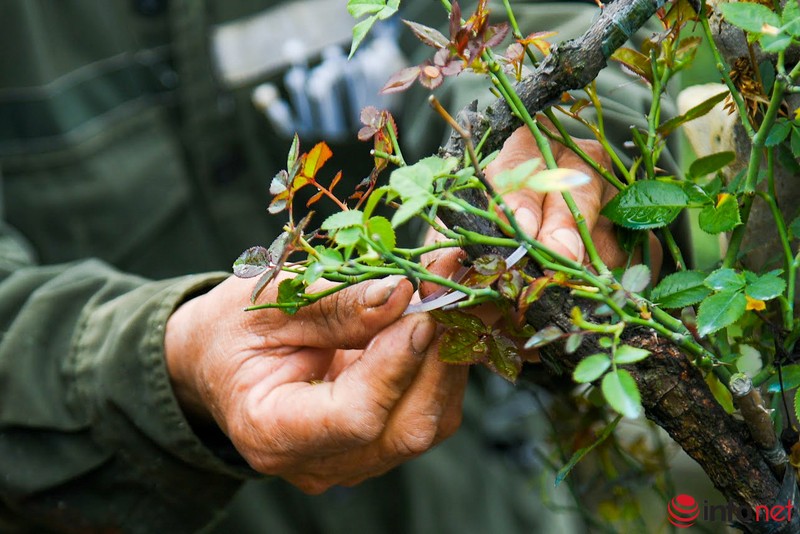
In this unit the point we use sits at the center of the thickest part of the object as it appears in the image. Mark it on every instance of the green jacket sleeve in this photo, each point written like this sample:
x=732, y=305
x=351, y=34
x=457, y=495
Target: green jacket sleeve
x=91, y=435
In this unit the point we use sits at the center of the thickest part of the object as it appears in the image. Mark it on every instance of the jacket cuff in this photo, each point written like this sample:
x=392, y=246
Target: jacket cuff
x=121, y=371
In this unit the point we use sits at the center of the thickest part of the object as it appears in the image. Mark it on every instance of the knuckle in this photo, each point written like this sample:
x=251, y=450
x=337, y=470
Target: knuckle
x=366, y=426
x=416, y=440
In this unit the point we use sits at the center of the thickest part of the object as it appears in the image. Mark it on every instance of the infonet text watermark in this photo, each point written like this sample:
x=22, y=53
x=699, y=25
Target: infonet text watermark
x=683, y=511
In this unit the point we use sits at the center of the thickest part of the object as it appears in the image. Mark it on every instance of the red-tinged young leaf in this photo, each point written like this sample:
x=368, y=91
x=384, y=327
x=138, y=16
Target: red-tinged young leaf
x=510, y=284
x=430, y=76
x=252, y=262
x=635, y=61
x=315, y=159
x=503, y=357
x=461, y=346
x=429, y=36
x=335, y=181
x=532, y=292
x=400, y=81
x=497, y=34
x=455, y=19
x=460, y=320
x=315, y=198
x=538, y=39
x=490, y=264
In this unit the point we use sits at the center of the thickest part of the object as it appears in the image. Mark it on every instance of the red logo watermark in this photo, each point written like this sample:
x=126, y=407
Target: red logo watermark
x=683, y=511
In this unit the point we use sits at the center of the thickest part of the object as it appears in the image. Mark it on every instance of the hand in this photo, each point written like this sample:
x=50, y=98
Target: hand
x=546, y=216
x=294, y=402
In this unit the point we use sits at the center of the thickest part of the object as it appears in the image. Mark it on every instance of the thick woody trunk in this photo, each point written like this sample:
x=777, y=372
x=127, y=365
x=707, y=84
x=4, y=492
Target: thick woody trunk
x=674, y=394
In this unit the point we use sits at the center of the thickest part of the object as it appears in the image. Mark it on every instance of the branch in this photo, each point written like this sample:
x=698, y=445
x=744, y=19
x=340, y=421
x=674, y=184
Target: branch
x=674, y=394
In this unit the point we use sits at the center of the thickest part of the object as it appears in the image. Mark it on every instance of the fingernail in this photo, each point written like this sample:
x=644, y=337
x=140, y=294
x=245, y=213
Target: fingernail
x=571, y=241
x=527, y=221
x=379, y=292
x=422, y=336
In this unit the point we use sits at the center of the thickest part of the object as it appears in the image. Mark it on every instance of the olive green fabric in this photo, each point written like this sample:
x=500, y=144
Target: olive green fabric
x=127, y=168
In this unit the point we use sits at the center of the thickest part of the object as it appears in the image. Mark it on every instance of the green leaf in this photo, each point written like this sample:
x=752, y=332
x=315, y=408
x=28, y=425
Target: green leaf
x=775, y=43
x=646, y=204
x=749, y=16
x=515, y=179
x=503, y=358
x=766, y=287
x=461, y=346
x=619, y=389
x=544, y=336
x=721, y=217
x=412, y=181
x=634, y=60
x=681, y=289
x=636, y=278
x=290, y=291
x=380, y=229
x=693, y=113
x=573, y=342
x=791, y=18
x=795, y=142
x=794, y=228
x=720, y=310
x=460, y=320
x=361, y=8
x=360, y=31
x=409, y=208
x=711, y=163
x=294, y=153
x=376, y=9
x=343, y=219
x=778, y=133
x=725, y=279
x=580, y=453
x=791, y=379
x=720, y=392
x=348, y=236
x=591, y=368
x=628, y=354
x=797, y=404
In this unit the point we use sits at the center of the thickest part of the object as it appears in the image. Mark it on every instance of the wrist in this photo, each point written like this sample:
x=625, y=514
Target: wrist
x=181, y=352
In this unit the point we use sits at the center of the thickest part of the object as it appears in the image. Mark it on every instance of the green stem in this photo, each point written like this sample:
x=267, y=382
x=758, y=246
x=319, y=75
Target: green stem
x=674, y=249
x=512, y=19
x=720, y=64
x=391, y=158
x=395, y=145
x=754, y=164
x=566, y=140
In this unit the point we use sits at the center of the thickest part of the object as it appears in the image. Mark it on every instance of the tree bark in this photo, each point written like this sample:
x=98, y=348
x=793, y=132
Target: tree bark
x=674, y=394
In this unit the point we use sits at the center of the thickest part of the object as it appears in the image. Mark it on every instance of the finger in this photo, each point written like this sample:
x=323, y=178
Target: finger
x=559, y=231
x=526, y=204
x=428, y=413
x=444, y=263
x=345, y=319
x=352, y=410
